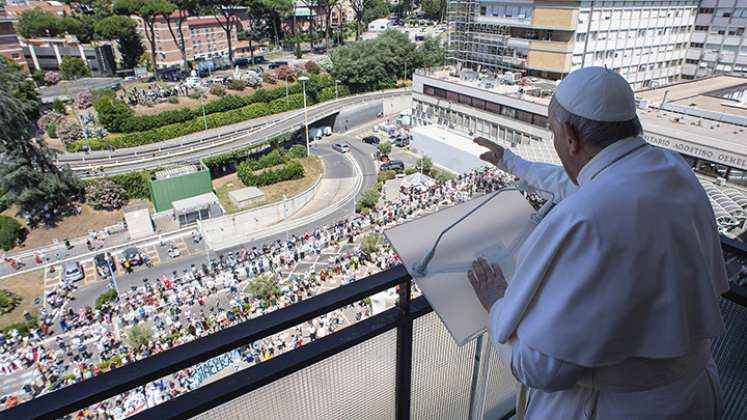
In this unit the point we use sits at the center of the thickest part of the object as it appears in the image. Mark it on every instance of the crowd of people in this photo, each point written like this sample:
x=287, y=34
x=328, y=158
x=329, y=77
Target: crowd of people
x=178, y=308
x=155, y=92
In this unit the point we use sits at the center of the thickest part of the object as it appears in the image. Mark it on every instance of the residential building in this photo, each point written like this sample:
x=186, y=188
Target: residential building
x=10, y=46
x=646, y=41
x=718, y=44
x=58, y=8
x=47, y=54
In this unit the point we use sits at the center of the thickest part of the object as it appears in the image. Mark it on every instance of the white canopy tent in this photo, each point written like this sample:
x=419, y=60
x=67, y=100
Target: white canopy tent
x=418, y=180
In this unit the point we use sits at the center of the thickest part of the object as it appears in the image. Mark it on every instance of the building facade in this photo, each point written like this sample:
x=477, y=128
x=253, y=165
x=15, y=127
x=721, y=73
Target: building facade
x=47, y=53
x=718, y=44
x=646, y=41
x=10, y=46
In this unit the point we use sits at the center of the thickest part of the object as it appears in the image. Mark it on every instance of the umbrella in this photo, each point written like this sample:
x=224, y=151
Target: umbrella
x=418, y=180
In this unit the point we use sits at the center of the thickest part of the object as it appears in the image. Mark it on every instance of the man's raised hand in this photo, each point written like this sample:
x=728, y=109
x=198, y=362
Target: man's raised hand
x=495, y=153
x=488, y=282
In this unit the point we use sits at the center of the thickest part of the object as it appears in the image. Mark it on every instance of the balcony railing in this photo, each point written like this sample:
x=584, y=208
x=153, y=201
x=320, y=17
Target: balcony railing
x=398, y=364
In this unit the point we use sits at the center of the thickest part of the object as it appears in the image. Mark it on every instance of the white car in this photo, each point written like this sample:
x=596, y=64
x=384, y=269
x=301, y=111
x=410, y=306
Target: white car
x=327, y=130
x=341, y=147
x=72, y=271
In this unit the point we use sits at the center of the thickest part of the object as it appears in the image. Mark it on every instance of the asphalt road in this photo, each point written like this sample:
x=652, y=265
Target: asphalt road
x=337, y=166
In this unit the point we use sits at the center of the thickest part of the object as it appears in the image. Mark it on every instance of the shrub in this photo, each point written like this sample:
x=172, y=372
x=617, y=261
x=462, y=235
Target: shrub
x=385, y=148
x=328, y=93
x=175, y=130
x=73, y=68
x=135, y=184
x=286, y=73
x=441, y=176
x=139, y=336
x=108, y=296
x=386, y=176
x=105, y=194
x=8, y=301
x=274, y=158
x=173, y=100
x=59, y=107
x=112, y=113
x=22, y=327
x=312, y=67
x=367, y=200
x=234, y=155
x=51, y=78
x=269, y=78
x=425, y=164
x=50, y=118
x=38, y=75
x=83, y=100
x=68, y=131
x=236, y=85
x=410, y=171
x=264, y=288
x=10, y=231
x=195, y=94
x=217, y=89
x=297, y=151
x=52, y=131
x=291, y=170
x=371, y=242
x=283, y=104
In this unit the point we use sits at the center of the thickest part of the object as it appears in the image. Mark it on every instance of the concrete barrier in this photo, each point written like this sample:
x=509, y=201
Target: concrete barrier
x=237, y=225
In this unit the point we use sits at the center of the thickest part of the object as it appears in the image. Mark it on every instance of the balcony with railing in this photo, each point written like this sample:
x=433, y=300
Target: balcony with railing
x=398, y=364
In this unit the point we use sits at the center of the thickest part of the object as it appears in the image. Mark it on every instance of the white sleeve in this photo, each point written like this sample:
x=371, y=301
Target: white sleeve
x=543, y=176
x=532, y=368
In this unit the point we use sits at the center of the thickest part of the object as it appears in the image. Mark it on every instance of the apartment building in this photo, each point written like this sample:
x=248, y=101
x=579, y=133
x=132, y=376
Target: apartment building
x=57, y=8
x=10, y=46
x=646, y=41
x=718, y=44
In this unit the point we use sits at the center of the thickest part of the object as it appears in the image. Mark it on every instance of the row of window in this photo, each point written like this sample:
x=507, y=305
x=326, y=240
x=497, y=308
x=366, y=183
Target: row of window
x=498, y=109
x=630, y=34
x=507, y=11
x=632, y=14
x=721, y=30
x=724, y=11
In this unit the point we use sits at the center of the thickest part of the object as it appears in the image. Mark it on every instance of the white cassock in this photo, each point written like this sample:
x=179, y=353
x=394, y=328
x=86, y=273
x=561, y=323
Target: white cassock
x=614, y=301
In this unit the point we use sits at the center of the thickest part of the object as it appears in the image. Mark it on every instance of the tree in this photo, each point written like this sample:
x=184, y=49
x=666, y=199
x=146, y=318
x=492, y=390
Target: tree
x=385, y=148
x=425, y=164
x=327, y=6
x=10, y=230
x=16, y=83
x=312, y=5
x=371, y=243
x=28, y=177
x=185, y=9
x=226, y=13
x=359, y=8
x=375, y=9
x=435, y=8
x=73, y=68
x=124, y=30
x=149, y=11
x=105, y=194
x=138, y=337
x=264, y=288
x=431, y=53
x=275, y=11
x=37, y=23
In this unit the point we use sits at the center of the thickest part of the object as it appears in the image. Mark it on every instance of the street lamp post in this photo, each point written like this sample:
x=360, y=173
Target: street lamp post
x=303, y=80
x=286, y=87
x=337, y=95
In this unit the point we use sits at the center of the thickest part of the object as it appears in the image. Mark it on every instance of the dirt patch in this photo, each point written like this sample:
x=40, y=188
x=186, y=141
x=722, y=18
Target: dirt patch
x=72, y=226
x=313, y=169
x=28, y=286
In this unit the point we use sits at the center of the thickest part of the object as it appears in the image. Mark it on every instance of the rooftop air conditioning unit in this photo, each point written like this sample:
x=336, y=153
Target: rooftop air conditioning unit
x=720, y=181
x=510, y=77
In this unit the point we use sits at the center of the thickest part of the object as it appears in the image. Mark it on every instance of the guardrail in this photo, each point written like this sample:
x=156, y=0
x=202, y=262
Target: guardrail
x=239, y=137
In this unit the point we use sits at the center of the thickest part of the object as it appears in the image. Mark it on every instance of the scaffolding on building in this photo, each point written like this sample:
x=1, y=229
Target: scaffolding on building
x=479, y=45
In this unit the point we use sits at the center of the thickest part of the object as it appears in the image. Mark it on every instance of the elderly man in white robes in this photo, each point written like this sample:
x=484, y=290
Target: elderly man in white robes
x=614, y=302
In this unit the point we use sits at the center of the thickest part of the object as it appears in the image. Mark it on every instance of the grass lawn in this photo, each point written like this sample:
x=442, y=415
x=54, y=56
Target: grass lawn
x=313, y=169
x=71, y=226
x=28, y=286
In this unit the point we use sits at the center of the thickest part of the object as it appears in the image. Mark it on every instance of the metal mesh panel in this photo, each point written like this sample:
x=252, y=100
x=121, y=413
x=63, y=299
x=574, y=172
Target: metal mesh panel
x=501, y=387
x=442, y=372
x=731, y=358
x=357, y=384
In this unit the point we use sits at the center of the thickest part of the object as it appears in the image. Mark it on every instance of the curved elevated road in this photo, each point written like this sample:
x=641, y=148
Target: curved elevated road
x=208, y=143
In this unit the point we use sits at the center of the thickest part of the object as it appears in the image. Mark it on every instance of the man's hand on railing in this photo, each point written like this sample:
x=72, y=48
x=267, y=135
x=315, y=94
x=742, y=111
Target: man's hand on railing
x=494, y=155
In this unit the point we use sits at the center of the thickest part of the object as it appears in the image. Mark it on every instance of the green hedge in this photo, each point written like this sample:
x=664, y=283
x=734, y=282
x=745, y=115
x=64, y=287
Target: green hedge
x=328, y=93
x=274, y=158
x=283, y=104
x=23, y=327
x=174, y=130
x=10, y=230
x=137, y=184
x=291, y=170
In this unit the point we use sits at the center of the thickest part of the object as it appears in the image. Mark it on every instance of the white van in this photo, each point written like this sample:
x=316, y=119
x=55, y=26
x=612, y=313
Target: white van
x=327, y=130
x=315, y=133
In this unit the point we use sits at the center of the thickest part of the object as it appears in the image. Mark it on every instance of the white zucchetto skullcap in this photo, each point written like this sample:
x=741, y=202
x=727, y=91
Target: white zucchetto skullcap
x=598, y=94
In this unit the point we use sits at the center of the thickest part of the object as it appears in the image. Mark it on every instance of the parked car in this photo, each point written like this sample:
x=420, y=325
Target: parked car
x=132, y=255
x=105, y=264
x=371, y=140
x=393, y=165
x=402, y=141
x=241, y=62
x=72, y=271
x=341, y=147
x=326, y=130
x=275, y=64
x=315, y=133
x=259, y=59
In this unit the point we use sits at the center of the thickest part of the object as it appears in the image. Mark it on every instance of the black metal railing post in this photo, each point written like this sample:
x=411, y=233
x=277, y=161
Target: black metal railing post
x=404, y=354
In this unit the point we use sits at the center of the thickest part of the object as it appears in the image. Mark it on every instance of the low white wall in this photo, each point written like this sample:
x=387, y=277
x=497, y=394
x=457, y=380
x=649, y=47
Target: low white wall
x=445, y=155
x=239, y=225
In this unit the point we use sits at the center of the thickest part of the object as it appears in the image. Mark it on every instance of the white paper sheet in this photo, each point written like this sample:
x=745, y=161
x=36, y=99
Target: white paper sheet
x=495, y=232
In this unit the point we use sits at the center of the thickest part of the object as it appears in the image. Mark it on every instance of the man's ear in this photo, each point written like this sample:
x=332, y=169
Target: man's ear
x=572, y=140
